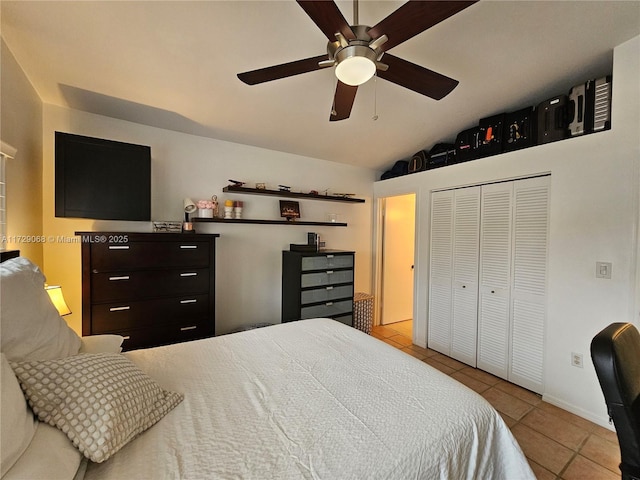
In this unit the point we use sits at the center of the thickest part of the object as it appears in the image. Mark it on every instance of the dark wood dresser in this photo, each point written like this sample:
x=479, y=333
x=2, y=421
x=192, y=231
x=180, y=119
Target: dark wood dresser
x=151, y=288
x=317, y=284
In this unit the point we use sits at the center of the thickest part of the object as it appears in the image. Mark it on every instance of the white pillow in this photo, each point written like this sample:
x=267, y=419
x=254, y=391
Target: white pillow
x=100, y=401
x=101, y=344
x=50, y=456
x=32, y=328
x=17, y=423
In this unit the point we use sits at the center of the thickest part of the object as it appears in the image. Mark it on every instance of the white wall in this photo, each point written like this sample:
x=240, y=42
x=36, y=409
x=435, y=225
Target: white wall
x=248, y=256
x=21, y=127
x=594, y=217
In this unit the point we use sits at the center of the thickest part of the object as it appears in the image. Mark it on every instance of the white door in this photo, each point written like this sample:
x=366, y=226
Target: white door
x=464, y=315
x=495, y=279
x=528, y=292
x=398, y=239
x=441, y=272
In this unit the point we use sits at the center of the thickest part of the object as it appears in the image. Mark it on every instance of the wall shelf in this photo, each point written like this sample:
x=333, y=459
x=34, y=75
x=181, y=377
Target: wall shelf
x=265, y=222
x=281, y=193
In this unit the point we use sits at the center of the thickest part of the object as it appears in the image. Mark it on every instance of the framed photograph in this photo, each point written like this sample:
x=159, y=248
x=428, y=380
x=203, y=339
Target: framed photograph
x=289, y=210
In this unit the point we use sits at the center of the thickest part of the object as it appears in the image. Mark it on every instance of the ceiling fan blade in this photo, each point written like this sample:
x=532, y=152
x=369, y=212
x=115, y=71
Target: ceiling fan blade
x=417, y=78
x=326, y=15
x=415, y=17
x=282, y=71
x=342, y=102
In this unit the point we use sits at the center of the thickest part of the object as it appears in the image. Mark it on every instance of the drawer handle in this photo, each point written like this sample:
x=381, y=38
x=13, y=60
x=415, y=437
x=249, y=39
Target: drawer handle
x=329, y=288
x=125, y=277
x=188, y=301
x=119, y=309
x=329, y=272
x=118, y=247
x=328, y=304
x=189, y=274
x=184, y=329
x=329, y=256
x=186, y=247
x=126, y=338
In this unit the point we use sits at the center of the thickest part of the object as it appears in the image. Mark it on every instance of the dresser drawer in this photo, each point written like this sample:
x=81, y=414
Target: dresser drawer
x=134, y=255
x=145, y=313
x=326, y=294
x=328, y=309
x=129, y=285
x=165, y=334
x=346, y=319
x=330, y=277
x=327, y=262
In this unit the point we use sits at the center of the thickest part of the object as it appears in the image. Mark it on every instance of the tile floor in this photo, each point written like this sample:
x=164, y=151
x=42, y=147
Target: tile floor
x=559, y=445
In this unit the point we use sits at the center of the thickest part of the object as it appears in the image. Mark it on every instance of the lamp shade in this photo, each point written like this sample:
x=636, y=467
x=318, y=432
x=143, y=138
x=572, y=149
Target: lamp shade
x=356, y=64
x=55, y=294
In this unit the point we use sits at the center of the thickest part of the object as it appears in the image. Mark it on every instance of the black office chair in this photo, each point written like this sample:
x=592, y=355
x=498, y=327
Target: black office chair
x=615, y=352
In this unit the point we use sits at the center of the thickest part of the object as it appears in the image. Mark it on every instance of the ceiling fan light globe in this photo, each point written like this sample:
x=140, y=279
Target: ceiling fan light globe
x=355, y=71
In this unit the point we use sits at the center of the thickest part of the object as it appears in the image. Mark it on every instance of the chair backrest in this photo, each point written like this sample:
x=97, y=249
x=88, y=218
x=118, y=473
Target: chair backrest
x=615, y=352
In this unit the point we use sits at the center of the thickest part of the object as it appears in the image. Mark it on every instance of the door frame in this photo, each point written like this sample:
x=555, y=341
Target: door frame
x=378, y=239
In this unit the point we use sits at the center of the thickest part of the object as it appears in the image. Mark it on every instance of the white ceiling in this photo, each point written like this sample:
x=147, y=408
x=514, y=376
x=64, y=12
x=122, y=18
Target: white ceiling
x=174, y=64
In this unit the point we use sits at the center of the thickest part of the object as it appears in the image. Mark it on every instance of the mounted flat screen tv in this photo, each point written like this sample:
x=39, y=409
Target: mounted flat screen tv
x=102, y=179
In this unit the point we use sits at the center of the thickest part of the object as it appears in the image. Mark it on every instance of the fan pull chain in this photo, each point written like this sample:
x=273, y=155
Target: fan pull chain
x=375, y=97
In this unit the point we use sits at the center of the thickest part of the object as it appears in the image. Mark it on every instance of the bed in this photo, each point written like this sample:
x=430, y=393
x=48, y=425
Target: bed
x=310, y=399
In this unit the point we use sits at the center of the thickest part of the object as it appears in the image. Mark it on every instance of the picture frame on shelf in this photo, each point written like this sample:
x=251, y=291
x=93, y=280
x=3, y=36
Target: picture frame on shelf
x=289, y=210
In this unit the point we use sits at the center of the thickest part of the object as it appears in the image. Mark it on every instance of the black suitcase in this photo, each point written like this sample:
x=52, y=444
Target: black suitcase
x=518, y=131
x=401, y=167
x=419, y=161
x=490, y=139
x=551, y=121
x=442, y=154
x=467, y=143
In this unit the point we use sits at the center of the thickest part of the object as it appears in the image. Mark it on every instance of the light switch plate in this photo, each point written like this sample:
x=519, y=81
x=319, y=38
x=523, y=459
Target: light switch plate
x=603, y=270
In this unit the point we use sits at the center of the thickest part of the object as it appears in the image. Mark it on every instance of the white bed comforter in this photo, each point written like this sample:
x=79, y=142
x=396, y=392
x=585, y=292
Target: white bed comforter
x=312, y=399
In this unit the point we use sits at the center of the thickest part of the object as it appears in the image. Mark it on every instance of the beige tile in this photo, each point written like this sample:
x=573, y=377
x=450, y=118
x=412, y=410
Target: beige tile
x=413, y=353
x=402, y=340
x=542, y=450
x=448, y=361
x=584, y=469
x=602, y=452
x=440, y=366
x=507, y=404
x=540, y=472
x=564, y=415
x=384, y=331
x=470, y=382
x=484, y=377
x=392, y=343
x=424, y=351
x=403, y=328
x=508, y=420
x=519, y=392
x=561, y=431
x=605, y=433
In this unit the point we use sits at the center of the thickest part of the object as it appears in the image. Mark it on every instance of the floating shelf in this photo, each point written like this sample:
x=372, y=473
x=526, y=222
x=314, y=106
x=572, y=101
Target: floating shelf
x=281, y=193
x=265, y=222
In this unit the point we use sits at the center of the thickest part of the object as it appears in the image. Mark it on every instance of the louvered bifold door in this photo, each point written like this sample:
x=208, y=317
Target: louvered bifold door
x=464, y=315
x=495, y=279
x=528, y=293
x=440, y=272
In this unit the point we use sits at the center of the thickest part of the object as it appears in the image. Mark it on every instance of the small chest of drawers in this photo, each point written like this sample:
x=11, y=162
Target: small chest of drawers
x=151, y=288
x=317, y=284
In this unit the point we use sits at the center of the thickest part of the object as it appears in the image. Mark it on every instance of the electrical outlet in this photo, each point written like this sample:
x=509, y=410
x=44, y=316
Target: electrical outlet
x=603, y=270
x=576, y=359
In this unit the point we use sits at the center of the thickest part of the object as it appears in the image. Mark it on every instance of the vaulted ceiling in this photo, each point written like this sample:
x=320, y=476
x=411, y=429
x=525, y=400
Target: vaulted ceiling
x=173, y=64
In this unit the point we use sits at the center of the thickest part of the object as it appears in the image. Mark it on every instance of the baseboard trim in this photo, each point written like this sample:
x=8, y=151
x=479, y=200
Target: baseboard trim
x=597, y=419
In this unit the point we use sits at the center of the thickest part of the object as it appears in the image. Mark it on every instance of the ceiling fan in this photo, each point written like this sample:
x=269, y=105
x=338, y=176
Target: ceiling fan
x=358, y=52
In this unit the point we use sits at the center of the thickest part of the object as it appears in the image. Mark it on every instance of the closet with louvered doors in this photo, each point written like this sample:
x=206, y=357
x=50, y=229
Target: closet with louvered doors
x=510, y=262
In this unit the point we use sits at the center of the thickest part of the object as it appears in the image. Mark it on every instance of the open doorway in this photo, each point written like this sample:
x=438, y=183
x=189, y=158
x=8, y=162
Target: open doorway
x=396, y=282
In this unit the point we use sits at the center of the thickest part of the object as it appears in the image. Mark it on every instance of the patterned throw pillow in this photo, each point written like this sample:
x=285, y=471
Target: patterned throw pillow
x=100, y=401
